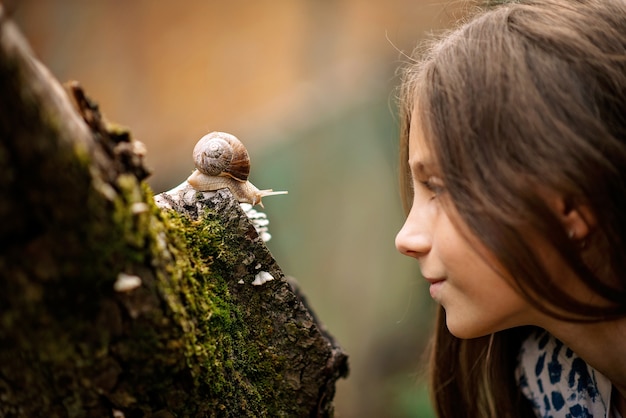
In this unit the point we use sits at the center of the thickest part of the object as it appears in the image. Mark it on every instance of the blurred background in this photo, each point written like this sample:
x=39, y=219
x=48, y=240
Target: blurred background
x=309, y=87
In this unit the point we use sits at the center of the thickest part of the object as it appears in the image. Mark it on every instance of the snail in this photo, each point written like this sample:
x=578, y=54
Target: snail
x=222, y=161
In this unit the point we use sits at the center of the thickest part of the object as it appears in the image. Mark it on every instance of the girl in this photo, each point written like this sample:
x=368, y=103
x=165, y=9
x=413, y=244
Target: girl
x=513, y=147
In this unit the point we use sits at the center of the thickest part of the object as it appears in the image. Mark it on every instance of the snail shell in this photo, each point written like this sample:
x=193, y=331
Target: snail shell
x=222, y=154
x=221, y=162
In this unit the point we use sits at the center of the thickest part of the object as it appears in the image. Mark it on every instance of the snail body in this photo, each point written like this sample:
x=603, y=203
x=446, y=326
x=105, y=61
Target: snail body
x=222, y=161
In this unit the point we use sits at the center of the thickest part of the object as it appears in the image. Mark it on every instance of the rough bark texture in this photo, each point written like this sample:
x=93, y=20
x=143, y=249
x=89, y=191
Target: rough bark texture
x=112, y=306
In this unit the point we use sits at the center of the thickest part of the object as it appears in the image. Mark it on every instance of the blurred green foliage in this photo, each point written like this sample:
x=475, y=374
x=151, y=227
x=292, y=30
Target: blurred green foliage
x=335, y=233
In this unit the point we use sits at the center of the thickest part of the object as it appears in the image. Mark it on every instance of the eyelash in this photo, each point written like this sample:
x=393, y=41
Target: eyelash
x=432, y=186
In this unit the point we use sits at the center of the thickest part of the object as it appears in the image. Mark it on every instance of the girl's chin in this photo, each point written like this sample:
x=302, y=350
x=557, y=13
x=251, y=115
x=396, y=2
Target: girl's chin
x=464, y=330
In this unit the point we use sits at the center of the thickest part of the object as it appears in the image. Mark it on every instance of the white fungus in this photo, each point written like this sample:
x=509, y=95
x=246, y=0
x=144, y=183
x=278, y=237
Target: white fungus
x=259, y=220
x=262, y=277
x=126, y=282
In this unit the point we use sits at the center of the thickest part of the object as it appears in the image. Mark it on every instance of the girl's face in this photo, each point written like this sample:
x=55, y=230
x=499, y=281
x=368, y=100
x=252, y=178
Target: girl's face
x=477, y=299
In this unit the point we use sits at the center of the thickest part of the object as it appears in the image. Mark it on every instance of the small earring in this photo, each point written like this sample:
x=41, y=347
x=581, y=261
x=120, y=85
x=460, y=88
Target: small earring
x=582, y=243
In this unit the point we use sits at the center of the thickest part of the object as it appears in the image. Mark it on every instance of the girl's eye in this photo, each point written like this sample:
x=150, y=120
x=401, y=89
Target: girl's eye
x=434, y=185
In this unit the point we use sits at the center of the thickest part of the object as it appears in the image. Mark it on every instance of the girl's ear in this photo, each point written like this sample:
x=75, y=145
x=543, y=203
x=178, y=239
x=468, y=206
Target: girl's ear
x=578, y=219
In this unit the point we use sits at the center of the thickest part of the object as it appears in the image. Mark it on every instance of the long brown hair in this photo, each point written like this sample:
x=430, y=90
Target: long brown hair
x=525, y=94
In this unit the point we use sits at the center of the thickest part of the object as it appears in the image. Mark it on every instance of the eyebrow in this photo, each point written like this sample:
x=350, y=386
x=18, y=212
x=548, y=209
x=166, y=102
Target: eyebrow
x=421, y=167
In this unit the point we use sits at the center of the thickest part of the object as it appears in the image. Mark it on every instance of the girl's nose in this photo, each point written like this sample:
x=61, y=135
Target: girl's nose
x=414, y=238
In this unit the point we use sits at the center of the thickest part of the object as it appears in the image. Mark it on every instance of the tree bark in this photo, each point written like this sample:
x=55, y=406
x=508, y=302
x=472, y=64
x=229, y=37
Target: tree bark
x=113, y=306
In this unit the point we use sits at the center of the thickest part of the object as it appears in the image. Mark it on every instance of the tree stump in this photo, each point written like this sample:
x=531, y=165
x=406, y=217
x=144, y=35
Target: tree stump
x=112, y=305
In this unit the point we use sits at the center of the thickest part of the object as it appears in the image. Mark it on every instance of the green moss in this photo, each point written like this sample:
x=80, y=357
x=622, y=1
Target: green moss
x=233, y=369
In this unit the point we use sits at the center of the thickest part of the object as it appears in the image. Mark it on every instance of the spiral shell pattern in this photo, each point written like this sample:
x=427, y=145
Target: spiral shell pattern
x=222, y=154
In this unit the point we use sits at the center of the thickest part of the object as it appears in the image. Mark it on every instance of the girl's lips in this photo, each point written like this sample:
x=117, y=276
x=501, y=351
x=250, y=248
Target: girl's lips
x=435, y=287
x=433, y=281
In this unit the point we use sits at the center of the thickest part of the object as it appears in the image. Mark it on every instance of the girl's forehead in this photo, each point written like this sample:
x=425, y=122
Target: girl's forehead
x=419, y=152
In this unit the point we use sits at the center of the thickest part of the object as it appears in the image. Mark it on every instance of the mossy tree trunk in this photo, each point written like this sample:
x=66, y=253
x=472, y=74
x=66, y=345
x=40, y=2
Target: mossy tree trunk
x=112, y=306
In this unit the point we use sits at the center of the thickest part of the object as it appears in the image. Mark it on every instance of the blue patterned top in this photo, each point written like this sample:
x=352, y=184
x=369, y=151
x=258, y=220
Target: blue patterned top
x=558, y=383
